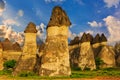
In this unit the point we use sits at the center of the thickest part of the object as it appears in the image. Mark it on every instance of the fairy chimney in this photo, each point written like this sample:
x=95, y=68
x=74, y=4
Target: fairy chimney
x=55, y=58
x=98, y=43
x=27, y=60
x=30, y=45
x=86, y=56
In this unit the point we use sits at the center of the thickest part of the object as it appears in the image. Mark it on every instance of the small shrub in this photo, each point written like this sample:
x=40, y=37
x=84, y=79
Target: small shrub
x=9, y=64
x=76, y=69
x=87, y=69
x=98, y=62
x=26, y=74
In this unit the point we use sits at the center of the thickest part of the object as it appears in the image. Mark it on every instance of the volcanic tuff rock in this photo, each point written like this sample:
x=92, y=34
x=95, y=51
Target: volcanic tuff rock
x=7, y=45
x=86, y=38
x=28, y=59
x=98, y=43
x=58, y=18
x=107, y=54
x=83, y=38
x=31, y=28
x=55, y=56
x=86, y=59
x=117, y=51
x=76, y=40
x=16, y=47
x=96, y=39
x=74, y=57
x=103, y=38
x=1, y=57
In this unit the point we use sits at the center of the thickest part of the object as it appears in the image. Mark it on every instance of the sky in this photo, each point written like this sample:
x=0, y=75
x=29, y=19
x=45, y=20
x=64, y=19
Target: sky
x=90, y=16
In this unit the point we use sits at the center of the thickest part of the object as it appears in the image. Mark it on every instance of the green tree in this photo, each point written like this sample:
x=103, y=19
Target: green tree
x=9, y=64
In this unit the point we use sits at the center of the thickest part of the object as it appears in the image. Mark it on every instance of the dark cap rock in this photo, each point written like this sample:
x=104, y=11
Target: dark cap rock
x=76, y=40
x=89, y=37
x=86, y=37
x=7, y=45
x=83, y=38
x=58, y=18
x=31, y=28
x=96, y=39
x=103, y=38
x=16, y=47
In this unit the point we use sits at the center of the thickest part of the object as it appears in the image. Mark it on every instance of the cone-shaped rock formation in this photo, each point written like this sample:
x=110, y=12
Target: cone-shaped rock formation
x=76, y=40
x=7, y=45
x=27, y=60
x=55, y=58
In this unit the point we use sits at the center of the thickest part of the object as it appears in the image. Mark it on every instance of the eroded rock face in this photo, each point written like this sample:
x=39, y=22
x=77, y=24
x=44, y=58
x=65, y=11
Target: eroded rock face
x=86, y=59
x=118, y=61
x=76, y=40
x=108, y=56
x=103, y=38
x=86, y=38
x=1, y=57
x=55, y=59
x=96, y=39
x=74, y=57
x=55, y=56
x=28, y=59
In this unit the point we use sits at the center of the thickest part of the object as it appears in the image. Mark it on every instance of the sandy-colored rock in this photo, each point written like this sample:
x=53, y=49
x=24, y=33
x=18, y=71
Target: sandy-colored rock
x=1, y=57
x=86, y=59
x=96, y=49
x=107, y=55
x=118, y=61
x=1, y=63
x=74, y=57
x=55, y=56
x=28, y=59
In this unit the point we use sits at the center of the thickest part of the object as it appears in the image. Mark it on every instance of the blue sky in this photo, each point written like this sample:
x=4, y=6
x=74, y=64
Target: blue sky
x=93, y=16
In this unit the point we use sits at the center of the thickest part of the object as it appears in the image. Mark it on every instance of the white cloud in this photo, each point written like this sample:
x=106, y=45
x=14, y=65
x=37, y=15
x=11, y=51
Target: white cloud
x=10, y=22
x=71, y=35
x=20, y=13
x=88, y=31
x=111, y=3
x=8, y=32
x=48, y=1
x=41, y=34
x=113, y=26
x=95, y=24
